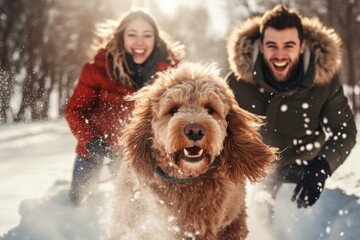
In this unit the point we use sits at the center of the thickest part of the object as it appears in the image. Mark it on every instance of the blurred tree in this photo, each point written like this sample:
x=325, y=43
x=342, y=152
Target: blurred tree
x=34, y=21
x=10, y=12
x=346, y=21
x=194, y=31
x=44, y=43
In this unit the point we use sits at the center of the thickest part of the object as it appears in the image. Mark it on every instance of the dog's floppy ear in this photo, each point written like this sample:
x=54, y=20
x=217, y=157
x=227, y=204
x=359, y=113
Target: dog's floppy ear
x=137, y=135
x=245, y=153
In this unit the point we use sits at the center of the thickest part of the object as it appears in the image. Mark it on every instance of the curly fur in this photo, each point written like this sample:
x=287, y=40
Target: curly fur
x=212, y=204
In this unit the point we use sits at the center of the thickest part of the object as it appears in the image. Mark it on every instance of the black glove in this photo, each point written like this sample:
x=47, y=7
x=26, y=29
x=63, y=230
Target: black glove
x=311, y=182
x=98, y=149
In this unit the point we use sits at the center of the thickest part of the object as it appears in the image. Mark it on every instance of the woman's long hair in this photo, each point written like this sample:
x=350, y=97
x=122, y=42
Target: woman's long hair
x=117, y=65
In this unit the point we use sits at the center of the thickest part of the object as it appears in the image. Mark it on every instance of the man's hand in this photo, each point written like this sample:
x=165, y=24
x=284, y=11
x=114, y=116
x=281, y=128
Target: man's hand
x=311, y=182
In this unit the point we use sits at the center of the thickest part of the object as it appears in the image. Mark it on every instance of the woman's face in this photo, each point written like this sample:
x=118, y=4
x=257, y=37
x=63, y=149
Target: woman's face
x=139, y=40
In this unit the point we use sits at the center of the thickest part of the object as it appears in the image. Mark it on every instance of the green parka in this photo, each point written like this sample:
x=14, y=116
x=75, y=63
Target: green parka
x=312, y=120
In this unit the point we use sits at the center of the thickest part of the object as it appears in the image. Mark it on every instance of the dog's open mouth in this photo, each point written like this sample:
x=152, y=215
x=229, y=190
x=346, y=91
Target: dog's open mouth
x=193, y=154
x=192, y=161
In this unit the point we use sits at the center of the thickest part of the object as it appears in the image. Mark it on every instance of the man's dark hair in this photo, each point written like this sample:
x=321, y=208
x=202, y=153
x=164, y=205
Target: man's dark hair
x=280, y=17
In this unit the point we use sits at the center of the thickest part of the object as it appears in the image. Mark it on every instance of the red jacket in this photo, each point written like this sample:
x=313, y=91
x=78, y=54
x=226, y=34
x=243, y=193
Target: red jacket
x=97, y=107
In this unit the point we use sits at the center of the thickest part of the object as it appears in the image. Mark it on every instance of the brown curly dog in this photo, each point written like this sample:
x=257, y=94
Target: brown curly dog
x=190, y=149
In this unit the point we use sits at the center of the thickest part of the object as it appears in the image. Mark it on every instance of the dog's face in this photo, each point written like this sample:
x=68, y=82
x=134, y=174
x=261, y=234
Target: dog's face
x=189, y=123
x=187, y=118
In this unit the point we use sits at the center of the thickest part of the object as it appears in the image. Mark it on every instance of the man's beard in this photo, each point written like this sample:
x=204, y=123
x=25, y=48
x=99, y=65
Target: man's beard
x=293, y=69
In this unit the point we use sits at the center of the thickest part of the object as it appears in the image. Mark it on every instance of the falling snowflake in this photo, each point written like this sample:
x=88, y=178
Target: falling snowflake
x=284, y=108
x=309, y=146
x=305, y=105
x=171, y=218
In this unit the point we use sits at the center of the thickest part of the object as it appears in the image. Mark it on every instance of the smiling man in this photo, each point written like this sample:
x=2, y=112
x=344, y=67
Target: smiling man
x=285, y=67
x=281, y=51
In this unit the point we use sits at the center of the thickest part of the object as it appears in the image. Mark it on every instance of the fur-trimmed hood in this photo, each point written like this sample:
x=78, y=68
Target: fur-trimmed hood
x=324, y=43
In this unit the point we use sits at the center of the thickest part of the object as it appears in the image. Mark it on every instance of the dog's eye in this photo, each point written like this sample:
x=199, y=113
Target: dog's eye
x=174, y=110
x=210, y=110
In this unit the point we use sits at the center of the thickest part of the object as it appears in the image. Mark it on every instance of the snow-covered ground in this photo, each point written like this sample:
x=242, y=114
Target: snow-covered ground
x=36, y=161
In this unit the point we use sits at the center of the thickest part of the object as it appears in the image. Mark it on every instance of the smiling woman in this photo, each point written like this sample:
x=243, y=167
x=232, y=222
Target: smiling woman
x=97, y=111
x=139, y=40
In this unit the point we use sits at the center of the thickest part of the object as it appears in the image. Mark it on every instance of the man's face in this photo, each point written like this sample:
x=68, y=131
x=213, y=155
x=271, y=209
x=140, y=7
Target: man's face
x=281, y=50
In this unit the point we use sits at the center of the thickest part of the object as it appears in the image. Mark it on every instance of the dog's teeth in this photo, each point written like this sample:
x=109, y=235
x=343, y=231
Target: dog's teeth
x=188, y=154
x=200, y=153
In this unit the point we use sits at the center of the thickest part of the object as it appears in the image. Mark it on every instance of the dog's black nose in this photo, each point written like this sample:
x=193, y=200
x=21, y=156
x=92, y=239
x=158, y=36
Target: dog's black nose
x=194, y=131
